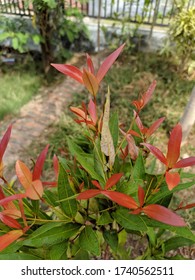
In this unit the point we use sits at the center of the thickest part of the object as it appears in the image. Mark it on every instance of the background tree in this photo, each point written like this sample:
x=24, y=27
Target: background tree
x=52, y=26
x=56, y=30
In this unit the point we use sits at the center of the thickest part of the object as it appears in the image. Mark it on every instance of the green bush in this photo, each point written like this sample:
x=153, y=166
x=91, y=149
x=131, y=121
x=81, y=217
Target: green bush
x=182, y=34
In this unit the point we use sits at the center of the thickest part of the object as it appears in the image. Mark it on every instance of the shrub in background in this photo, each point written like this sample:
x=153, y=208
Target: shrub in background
x=182, y=34
x=52, y=30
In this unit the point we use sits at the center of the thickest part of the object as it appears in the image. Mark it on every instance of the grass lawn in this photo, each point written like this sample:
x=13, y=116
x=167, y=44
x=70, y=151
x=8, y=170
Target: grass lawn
x=18, y=86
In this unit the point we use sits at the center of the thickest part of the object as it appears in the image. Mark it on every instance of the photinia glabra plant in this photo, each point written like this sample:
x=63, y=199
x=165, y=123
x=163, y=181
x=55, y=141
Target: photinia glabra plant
x=102, y=194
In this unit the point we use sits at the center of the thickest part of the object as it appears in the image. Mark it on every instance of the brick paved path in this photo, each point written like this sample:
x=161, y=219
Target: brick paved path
x=36, y=116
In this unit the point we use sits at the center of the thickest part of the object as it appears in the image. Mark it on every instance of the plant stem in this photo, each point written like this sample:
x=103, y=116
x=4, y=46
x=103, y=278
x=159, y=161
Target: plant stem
x=124, y=138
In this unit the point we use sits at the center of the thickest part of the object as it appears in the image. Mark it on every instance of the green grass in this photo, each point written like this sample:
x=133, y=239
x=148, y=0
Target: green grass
x=132, y=76
x=17, y=87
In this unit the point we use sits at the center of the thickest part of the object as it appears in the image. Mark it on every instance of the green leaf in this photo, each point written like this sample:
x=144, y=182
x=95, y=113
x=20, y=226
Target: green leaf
x=70, y=35
x=187, y=175
x=129, y=221
x=114, y=128
x=64, y=163
x=15, y=43
x=88, y=241
x=5, y=35
x=77, y=253
x=12, y=248
x=165, y=192
x=139, y=168
x=81, y=255
x=65, y=191
x=111, y=237
x=58, y=251
x=98, y=162
x=18, y=256
x=176, y=242
x=51, y=233
x=104, y=219
x=83, y=159
x=180, y=231
x=41, y=252
x=36, y=39
x=51, y=3
x=152, y=236
x=35, y=206
x=51, y=197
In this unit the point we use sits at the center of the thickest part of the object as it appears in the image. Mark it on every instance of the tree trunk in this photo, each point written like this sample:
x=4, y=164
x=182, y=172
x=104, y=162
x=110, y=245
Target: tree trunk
x=188, y=118
x=48, y=20
x=43, y=22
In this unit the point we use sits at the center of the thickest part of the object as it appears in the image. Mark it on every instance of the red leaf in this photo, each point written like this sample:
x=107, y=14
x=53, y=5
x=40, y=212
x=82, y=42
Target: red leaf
x=185, y=162
x=91, y=82
x=24, y=174
x=35, y=191
x=121, y=199
x=136, y=211
x=141, y=196
x=140, y=103
x=154, y=127
x=10, y=205
x=113, y=180
x=90, y=64
x=156, y=152
x=107, y=63
x=138, y=122
x=88, y=194
x=70, y=71
x=37, y=171
x=4, y=141
x=174, y=146
x=79, y=112
x=9, y=221
x=92, y=111
x=1, y=194
x=148, y=94
x=172, y=180
x=5, y=200
x=164, y=215
x=56, y=166
x=96, y=184
x=124, y=152
x=191, y=205
x=134, y=133
x=84, y=109
x=132, y=148
x=22, y=212
x=50, y=184
x=12, y=212
x=8, y=238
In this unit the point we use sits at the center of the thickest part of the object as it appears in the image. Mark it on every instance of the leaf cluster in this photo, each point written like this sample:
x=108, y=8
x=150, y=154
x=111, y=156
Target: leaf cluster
x=102, y=193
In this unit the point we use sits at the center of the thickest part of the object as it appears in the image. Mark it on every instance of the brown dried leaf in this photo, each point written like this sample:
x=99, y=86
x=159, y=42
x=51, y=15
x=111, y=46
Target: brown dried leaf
x=107, y=145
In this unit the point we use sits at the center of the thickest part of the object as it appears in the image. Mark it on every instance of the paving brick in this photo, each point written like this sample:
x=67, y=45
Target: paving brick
x=35, y=117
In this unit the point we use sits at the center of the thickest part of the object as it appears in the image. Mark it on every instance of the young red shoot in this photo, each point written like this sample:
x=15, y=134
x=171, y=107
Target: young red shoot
x=88, y=77
x=171, y=159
